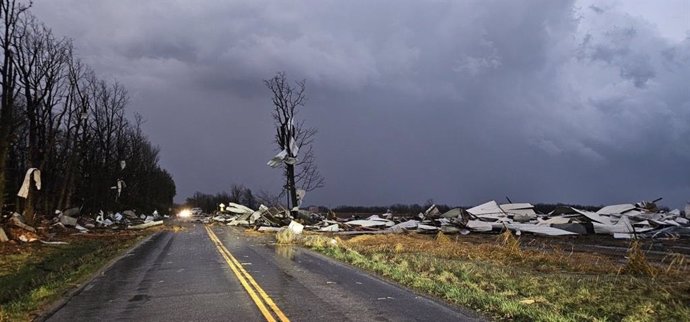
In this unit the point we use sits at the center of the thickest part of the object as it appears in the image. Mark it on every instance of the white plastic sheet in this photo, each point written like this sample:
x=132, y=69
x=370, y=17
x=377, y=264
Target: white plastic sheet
x=24, y=190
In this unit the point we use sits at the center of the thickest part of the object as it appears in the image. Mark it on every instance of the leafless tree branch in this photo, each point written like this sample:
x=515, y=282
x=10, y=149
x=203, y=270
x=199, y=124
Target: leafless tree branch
x=287, y=100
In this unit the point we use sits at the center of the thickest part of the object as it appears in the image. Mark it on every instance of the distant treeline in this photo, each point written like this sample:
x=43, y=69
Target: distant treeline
x=238, y=194
x=414, y=209
x=59, y=117
x=402, y=209
x=545, y=208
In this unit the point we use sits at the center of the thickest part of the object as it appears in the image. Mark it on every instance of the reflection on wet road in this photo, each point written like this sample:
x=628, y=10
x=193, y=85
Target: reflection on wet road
x=210, y=274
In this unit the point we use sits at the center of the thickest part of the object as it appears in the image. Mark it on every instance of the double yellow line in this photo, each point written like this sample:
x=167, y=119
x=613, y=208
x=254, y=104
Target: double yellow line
x=257, y=294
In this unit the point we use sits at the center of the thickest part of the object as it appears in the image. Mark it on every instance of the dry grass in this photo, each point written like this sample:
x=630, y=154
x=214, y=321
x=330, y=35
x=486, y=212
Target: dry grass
x=637, y=263
x=505, y=251
x=286, y=237
x=511, y=245
x=441, y=238
x=675, y=264
x=508, y=282
x=320, y=241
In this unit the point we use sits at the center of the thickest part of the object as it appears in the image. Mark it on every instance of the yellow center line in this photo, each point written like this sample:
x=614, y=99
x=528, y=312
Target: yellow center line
x=251, y=280
x=258, y=288
x=244, y=276
x=250, y=291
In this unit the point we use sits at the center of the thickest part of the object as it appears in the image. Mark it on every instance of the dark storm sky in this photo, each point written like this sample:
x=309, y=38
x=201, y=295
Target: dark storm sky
x=459, y=101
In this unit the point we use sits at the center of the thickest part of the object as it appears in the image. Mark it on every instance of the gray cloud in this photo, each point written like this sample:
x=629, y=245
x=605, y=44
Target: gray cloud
x=456, y=101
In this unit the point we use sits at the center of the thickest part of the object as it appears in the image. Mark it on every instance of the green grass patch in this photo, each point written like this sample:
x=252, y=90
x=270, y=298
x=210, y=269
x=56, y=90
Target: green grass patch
x=38, y=275
x=504, y=282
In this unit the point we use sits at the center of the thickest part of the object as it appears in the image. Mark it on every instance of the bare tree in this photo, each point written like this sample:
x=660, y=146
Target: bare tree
x=41, y=62
x=58, y=116
x=74, y=127
x=307, y=175
x=266, y=198
x=10, y=14
x=300, y=169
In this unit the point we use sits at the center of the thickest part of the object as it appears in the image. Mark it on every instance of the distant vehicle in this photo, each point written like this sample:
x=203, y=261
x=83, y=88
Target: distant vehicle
x=184, y=213
x=189, y=213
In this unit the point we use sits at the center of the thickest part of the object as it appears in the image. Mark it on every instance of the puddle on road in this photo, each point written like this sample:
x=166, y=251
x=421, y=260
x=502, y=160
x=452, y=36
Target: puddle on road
x=286, y=251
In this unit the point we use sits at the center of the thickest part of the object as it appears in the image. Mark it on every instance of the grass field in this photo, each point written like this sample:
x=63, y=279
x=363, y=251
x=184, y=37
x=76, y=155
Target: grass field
x=503, y=280
x=34, y=275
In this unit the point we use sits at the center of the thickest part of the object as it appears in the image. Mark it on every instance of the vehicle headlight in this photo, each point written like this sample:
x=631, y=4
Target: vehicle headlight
x=185, y=213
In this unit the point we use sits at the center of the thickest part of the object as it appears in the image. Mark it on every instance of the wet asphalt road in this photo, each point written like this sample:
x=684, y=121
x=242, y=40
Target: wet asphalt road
x=183, y=277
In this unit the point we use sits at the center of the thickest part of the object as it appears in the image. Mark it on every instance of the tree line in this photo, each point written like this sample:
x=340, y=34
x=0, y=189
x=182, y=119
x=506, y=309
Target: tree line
x=412, y=209
x=239, y=194
x=56, y=115
x=399, y=209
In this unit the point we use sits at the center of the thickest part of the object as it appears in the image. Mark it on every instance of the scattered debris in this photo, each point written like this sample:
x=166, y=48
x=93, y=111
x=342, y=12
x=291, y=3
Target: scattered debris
x=68, y=221
x=81, y=229
x=406, y=225
x=3, y=236
x=130, y=214
x=18, y=220
x=48, y=228
x=146, y=225
x=628, y=221
x=296, y=227
x=119, y=185
x=72, y=212
x=238, y=209
x=22, y=235
x=26, y=185
x=331, y=228
x=368, y=223
x=27, y=238
x=269, y=229
x=53, y=242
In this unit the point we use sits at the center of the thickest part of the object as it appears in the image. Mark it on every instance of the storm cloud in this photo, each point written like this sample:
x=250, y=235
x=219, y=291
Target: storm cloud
x=459, y=101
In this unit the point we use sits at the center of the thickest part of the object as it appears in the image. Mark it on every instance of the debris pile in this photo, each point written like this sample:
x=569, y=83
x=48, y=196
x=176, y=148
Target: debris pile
x=641, y=220
x=238, y=215
x=625, y=221
x=13, y=227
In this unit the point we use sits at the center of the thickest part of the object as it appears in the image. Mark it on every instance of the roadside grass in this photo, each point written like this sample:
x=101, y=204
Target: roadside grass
x=285, y=237
x=36, y=275
x=505, y=281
